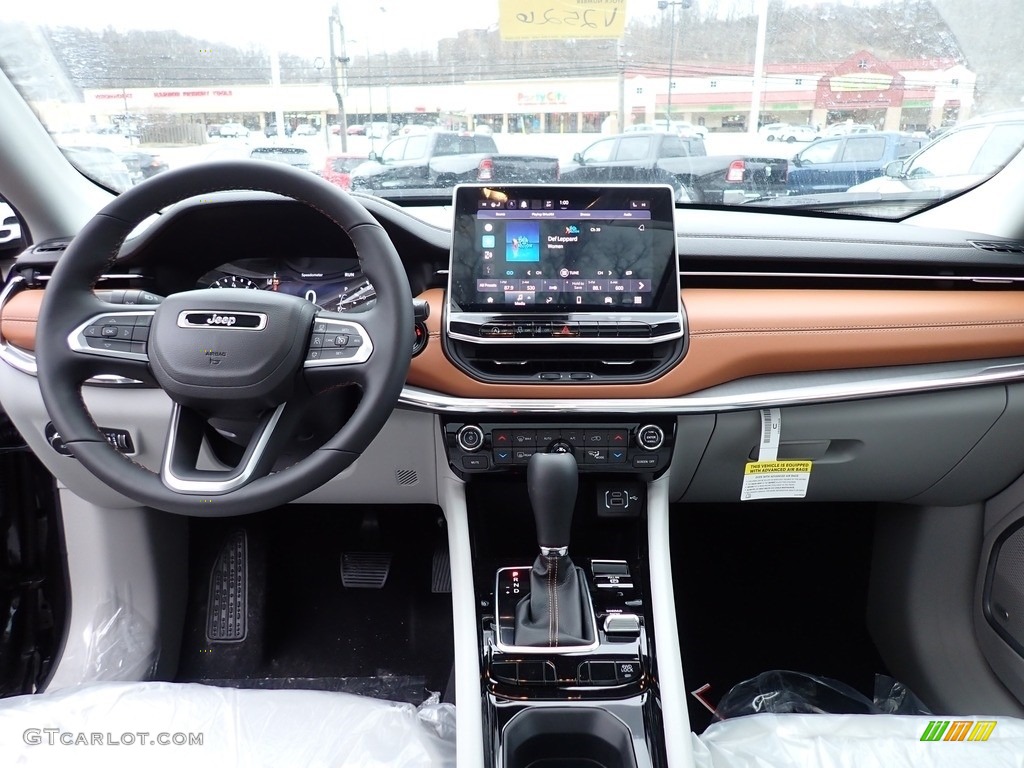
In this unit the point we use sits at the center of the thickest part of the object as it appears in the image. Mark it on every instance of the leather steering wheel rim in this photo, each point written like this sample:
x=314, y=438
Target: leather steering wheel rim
x=69, y=298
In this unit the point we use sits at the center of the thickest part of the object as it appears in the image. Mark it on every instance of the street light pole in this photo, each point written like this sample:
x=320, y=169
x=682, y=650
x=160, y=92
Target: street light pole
x=335, y=21
x=662, y=5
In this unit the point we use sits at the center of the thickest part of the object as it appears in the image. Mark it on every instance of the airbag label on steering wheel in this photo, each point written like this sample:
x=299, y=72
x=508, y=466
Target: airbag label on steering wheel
x=768, y=478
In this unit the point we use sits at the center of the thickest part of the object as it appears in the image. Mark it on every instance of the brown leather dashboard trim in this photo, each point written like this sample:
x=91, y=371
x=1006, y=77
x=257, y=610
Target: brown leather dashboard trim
x=18, y=319
x=735, y=333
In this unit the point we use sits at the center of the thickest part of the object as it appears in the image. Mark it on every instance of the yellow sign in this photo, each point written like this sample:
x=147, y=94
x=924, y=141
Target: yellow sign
x=561, y=19
x=769, y=467
x=855, y=82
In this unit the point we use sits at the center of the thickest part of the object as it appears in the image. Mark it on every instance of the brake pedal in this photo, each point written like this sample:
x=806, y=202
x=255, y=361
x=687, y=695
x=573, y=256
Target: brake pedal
x=365, y=570
x=226, y=611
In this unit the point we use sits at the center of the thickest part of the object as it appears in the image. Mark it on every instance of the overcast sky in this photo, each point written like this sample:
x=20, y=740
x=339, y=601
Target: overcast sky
x=300, y=26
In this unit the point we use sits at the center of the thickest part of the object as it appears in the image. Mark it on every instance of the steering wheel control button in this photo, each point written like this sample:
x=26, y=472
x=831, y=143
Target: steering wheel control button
x=470, y=439
x=337, y=342
x=650, y=437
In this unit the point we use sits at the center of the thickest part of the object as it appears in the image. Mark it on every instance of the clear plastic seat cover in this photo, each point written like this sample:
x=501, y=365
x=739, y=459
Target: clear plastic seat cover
x=861, y=741
x=166, y=724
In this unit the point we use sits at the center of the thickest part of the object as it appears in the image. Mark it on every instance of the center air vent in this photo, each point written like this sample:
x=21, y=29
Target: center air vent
x=565, y=362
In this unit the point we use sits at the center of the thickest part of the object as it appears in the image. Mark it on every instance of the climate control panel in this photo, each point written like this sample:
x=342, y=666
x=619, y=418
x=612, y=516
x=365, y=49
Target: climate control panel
x=636, y=447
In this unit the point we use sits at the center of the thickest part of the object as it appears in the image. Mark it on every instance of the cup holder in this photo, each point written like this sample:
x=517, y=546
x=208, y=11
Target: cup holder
x=562, y=737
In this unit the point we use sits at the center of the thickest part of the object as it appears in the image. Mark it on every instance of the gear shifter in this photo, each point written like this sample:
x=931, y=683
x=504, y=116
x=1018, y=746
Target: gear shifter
x=557, y=612
x=552, y=480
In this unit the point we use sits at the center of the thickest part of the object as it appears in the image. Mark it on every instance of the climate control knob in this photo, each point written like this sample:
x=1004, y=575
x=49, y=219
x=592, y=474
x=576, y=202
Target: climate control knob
x=650, y=437
x=470, y=438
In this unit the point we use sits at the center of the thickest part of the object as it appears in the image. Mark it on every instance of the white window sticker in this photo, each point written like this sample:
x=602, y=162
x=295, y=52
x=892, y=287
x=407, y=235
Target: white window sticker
x=771, y=433
x=775, y=480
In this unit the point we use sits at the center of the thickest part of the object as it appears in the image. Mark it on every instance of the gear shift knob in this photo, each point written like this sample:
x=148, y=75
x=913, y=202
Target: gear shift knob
x=552, y=480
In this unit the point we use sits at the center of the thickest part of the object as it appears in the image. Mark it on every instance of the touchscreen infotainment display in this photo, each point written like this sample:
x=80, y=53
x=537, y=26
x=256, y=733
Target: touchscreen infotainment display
x=569, y=249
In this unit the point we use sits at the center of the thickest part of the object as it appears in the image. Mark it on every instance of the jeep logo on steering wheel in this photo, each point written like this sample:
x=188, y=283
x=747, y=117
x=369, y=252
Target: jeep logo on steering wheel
x=246, y=321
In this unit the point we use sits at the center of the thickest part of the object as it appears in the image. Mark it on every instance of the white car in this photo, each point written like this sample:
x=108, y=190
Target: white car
x=843, y=129
x=680, y=127
x=959, y=158
x=233, y=130
x=794, y=133
x=10, y=227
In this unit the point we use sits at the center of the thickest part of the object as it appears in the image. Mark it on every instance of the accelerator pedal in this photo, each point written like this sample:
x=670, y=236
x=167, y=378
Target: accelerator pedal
x=365, y=570
x=229, y=583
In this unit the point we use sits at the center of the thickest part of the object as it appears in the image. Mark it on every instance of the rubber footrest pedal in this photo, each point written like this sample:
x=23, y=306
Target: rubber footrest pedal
x=365, y=570
x=441, y=571
x=227, y=608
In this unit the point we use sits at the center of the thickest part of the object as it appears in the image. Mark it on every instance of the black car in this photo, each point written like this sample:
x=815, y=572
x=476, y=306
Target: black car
x=271, y=130
x=143, y=165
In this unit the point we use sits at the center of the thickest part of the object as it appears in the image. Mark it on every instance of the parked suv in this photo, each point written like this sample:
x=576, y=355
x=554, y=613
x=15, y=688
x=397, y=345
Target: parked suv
x=959, y=158
x=836, y=164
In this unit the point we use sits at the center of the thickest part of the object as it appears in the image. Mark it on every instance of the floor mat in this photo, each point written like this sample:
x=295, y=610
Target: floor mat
x=772, y=586
x=304, y=625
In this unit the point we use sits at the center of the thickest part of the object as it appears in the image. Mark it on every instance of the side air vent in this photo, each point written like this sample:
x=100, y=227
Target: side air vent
x=999, y=246
x=51, y=246
x=566, y=362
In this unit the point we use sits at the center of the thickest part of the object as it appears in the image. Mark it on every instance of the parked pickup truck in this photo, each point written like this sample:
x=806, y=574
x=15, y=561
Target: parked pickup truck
x=836, y=164
x=442, y=159
x=680, y=161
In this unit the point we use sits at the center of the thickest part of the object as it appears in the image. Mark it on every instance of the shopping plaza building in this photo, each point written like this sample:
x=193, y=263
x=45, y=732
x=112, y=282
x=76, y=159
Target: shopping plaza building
x=892, y=95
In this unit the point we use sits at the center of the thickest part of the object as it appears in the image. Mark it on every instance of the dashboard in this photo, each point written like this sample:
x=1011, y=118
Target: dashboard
x=832, y=321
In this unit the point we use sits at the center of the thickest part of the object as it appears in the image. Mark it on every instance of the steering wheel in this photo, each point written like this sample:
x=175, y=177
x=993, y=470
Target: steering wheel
x=223, y=353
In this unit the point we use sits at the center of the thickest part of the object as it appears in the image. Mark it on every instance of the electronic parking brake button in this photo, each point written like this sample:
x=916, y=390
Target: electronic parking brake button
x=602, y=672
x=505, y=671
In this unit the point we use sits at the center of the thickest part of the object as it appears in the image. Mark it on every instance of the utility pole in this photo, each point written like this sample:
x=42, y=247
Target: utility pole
x=334, y=22
x=622, y=85
x=755, y=92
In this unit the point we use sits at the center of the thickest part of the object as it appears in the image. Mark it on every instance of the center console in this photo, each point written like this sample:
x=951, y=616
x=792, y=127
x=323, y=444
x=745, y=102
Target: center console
x=569, y=675
x=563, y=285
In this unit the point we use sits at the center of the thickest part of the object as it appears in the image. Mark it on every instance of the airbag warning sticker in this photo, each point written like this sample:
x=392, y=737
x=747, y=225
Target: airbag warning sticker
x=775, y=480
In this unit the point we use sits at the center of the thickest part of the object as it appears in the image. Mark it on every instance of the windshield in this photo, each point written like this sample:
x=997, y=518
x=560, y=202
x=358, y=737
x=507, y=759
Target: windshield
x=728, y=101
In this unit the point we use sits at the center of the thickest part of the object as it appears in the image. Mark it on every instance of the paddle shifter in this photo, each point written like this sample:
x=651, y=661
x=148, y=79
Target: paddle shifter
x=557, y=611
